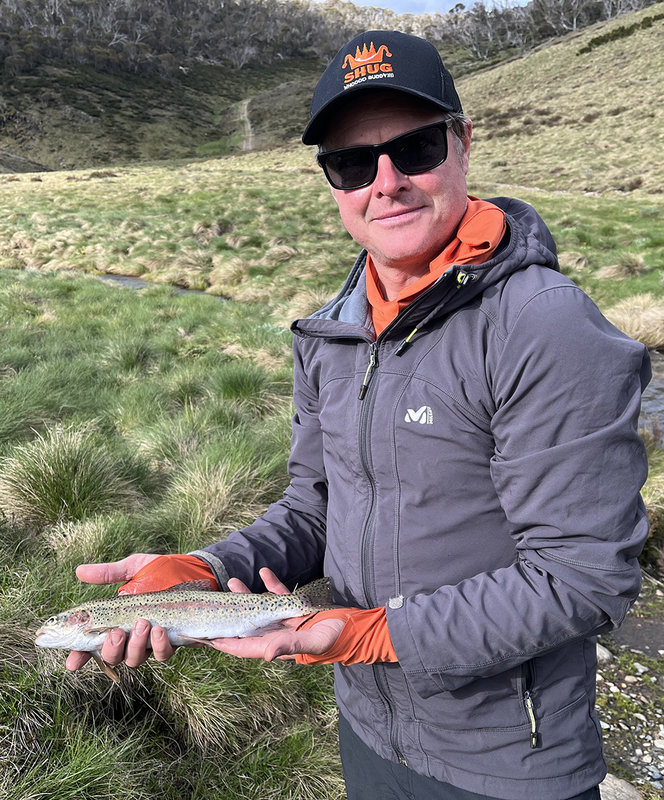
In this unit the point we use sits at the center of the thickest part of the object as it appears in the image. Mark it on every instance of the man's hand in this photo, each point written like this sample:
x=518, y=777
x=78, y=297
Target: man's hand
x=281, y=644
x=114, y=650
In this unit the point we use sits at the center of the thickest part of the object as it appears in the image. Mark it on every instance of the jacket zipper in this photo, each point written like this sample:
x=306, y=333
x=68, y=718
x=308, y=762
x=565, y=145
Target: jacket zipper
x=373, y=363
x=528, y=703
x=365, y=560
x=366, y=392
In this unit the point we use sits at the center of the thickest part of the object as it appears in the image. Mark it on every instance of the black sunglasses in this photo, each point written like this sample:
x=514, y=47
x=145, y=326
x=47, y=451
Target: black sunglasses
x=411, y=153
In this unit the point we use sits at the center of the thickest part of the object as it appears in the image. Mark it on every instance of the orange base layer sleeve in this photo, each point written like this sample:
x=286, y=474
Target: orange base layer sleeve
x=164, y=572
x=364, y=639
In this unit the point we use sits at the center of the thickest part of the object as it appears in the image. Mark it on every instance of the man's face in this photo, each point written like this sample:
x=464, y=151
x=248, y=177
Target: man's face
x=404, y=221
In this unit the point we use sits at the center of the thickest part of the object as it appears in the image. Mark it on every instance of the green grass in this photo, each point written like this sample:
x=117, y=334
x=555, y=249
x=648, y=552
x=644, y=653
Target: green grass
x=152, y=421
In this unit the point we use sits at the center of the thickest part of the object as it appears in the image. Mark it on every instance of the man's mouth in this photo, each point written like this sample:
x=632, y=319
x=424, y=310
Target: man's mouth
x=397, y=214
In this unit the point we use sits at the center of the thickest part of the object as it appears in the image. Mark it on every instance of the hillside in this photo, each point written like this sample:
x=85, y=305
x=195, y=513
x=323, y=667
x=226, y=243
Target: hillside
x=580, y=113
x=76, y=117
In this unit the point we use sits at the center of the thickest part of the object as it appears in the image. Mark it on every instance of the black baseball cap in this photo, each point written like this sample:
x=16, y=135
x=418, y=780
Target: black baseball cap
x=380, y=60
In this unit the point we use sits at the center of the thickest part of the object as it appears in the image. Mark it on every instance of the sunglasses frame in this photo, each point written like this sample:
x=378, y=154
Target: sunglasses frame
x=376, y=150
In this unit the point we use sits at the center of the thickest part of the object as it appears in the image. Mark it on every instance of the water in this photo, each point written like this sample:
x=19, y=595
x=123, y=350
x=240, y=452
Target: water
x=125, y=280
x=138, y=283
x=652, y=404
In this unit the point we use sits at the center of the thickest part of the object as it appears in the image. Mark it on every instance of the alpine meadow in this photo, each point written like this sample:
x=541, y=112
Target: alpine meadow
x=146, y=371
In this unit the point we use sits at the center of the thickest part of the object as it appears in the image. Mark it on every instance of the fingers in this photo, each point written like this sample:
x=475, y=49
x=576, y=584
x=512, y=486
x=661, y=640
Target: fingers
x=161, y=645
x=266, y=647
x=76, y=659
x=272, y=583
x=135, y=649
x=236, y=586
x=114, y=571
x=283, y=644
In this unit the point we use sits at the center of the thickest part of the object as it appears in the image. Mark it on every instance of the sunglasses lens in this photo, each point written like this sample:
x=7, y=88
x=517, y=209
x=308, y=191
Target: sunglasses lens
x=411, y=153
x=350, y=168
x=419, y=151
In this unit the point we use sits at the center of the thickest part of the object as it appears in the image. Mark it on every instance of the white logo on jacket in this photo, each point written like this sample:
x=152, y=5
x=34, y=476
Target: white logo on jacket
x=423, y=415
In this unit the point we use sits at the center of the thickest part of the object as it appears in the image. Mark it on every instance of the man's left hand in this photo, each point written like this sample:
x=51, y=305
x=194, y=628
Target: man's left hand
x=280, y=644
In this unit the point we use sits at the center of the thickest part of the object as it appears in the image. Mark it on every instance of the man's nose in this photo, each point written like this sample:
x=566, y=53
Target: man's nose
x=389, y=180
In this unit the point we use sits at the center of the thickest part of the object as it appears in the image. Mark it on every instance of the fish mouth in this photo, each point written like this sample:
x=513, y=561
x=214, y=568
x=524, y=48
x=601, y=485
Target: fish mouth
x=42, y=634
x=45, y=638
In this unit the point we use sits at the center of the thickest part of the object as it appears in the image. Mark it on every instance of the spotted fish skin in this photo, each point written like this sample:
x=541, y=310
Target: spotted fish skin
x=189, y=616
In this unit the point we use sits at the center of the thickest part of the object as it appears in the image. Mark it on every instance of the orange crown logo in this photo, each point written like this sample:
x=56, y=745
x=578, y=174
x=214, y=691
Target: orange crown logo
x=366, y=56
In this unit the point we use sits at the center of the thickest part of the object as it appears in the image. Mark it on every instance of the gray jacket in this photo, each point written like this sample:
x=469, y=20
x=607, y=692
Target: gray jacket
x=485, y=489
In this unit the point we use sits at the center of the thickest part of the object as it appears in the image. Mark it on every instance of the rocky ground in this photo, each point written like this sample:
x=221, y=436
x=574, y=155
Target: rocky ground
x=630, y=695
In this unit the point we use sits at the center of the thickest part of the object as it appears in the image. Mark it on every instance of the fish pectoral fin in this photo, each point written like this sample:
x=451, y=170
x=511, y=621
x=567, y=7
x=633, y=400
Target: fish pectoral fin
x=100, y=629
x=107, y=669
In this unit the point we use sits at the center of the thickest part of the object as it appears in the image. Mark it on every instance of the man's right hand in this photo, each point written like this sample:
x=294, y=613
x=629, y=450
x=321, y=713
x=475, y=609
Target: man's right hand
x=118, y=647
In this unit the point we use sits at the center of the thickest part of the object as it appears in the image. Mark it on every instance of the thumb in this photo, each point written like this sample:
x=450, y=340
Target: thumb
x=114, y=571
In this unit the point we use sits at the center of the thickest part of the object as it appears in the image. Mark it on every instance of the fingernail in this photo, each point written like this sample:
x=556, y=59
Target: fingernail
x=116, y=637
x=141, y=627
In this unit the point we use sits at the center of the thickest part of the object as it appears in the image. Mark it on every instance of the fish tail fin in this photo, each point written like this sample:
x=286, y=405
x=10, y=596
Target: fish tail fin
x=316, y=595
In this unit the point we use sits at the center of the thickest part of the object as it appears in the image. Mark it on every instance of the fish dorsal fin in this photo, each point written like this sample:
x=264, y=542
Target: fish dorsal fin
x=201, y=585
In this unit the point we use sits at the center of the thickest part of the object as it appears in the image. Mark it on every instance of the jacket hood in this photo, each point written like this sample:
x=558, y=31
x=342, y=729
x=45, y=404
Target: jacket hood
x=527, y=242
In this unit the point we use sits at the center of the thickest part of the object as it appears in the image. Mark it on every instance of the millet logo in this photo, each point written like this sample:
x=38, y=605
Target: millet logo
x=367, y=64
x=423, y=415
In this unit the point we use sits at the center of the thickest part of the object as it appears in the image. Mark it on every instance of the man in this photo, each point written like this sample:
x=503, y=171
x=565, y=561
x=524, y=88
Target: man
x=465, y=467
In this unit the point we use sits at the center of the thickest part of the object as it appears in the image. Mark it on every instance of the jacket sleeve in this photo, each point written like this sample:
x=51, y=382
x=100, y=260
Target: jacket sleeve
x=290, y=536
x=568, y=466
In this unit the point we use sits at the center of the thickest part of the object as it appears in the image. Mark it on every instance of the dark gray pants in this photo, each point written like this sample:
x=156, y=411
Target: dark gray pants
x=370, y=777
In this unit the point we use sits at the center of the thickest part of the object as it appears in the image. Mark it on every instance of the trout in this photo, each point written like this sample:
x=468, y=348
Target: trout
x=190, y=617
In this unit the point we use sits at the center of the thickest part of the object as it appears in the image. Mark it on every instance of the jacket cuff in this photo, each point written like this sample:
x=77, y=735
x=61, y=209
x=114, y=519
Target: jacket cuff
x=425, y=682
x=216, y=565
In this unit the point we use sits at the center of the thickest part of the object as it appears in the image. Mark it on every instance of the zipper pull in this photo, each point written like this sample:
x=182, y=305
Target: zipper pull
x=464, y=277
x=373, y=361
x=528, y=701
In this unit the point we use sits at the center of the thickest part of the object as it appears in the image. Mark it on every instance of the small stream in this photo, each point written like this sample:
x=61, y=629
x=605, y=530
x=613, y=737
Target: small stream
x=652, y=403
x=138, y=283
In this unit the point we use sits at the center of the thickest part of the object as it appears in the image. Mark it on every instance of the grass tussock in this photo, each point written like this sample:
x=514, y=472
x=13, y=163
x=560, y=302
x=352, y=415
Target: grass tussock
x=653, y=497
x=67, y=474
x=641, y=317
x=629, y=265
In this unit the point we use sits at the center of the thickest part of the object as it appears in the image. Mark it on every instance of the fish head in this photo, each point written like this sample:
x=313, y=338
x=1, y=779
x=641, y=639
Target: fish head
x=65, y=630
